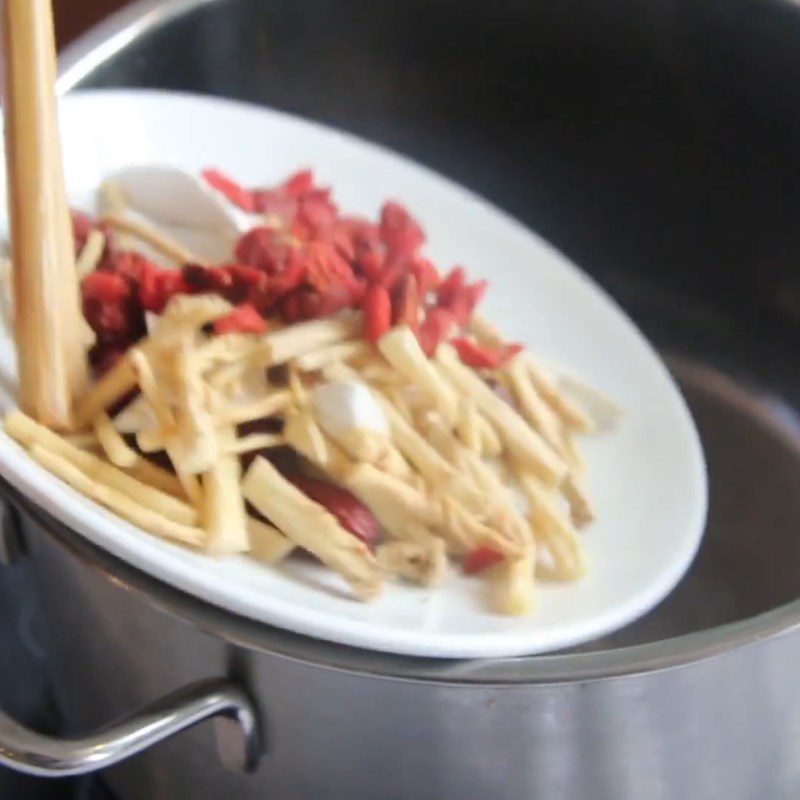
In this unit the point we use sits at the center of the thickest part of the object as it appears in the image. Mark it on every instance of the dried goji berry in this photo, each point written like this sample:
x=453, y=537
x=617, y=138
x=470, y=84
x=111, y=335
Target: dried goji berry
x=466, y=299
x=103, y=356
x=400, y=232
x=452, y=284
x=291, y=306
x=479, y=559
x=107, y=287
x=156, y=286
x=245, y=284
x=325, y=268
x=377, y=307
x=316, y=215
x=263, y=248
x=364, y=234
x=82, y=226
x=437, y=326
x=250, y=276
x=199, y=279
x=391, y=276
x=235, y=192
x=127, y=263
x=307, y=303
x=405, y=306
x=426, y=274
x=298, y=184
x=290, y=277
x=481, y=356
x=371, y=263
x=111, y=307
x=242, y=319
x=277, y=205
x=342, y=243
x=357, y=289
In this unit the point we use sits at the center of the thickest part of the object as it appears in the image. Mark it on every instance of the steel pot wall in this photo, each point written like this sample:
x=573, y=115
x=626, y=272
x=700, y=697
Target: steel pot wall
x=343, y=725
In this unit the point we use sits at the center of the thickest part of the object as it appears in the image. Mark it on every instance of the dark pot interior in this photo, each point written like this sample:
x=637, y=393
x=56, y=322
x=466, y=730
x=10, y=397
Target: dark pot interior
x=654, y=143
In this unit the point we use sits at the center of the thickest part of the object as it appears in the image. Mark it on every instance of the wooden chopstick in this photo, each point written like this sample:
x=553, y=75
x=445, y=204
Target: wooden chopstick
x=51, y=361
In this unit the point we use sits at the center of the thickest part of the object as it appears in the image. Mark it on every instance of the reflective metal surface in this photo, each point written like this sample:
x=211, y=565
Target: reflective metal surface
x=35, y=754
x=655, y=143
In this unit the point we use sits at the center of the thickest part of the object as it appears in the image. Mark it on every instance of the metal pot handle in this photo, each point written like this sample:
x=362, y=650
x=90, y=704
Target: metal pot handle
x=238, y=740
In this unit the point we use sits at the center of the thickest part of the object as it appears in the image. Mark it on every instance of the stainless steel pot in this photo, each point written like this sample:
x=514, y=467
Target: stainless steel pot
x=698, y=700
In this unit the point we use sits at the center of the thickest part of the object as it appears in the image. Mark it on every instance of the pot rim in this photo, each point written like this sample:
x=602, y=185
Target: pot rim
x=620, y=662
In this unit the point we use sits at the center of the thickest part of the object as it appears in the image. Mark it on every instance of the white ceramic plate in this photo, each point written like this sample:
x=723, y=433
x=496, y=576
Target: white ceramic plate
x=647, y=477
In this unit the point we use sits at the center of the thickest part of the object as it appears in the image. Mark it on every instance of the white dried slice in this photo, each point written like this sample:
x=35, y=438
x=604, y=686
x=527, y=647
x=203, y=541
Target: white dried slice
x=349, y=413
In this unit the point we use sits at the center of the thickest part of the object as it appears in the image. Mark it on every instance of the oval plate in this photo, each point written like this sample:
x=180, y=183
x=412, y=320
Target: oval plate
x=647, y=477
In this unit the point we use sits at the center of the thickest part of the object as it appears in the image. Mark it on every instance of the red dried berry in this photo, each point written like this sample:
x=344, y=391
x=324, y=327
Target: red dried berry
x=290, y=277
x=200, y=279
x=437, y=326
x=103, y=356
x=291, y=306
x=377, y=307
x=235, y=192
x=298, y=184
x=391, y=276
x=342, y=243
x=111, y=307
x=427, y=276
x=400, y=232
x=82, y=226
x=405, y=306
x=479, y=559
x=249, y=276
x=264, y=249
x=277, y=205
x=316, y=215
x=157, y=286
x=371, y=264
x=369, y=253
x=129, y=264
x=242, y=319
x=244, y=283
x=311, y=304
x=481, y=356
x=464, y=302
x=357, y=291
x=451, y=286
x=107, y=287
x=350, y=512
x=325, y=268
x=283, y=202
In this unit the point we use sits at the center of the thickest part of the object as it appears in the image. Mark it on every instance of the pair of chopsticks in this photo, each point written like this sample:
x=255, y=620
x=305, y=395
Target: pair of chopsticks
x=50, y=352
